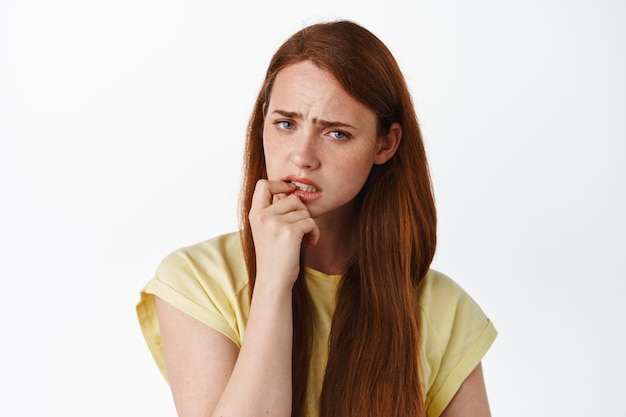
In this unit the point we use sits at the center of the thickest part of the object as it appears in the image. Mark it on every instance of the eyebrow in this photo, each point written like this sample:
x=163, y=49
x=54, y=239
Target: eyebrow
x=324, y=123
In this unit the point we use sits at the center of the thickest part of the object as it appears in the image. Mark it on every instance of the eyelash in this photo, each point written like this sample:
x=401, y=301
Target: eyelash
x=281, y=123
x=344, y=136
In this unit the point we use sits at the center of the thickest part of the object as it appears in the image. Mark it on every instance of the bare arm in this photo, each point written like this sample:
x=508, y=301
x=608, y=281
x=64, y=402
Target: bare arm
x=198, y=360
x=471, y=398
x=208, y=374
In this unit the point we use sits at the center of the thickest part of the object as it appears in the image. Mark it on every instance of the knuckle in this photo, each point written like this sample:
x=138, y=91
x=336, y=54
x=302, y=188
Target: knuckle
x=260, y=185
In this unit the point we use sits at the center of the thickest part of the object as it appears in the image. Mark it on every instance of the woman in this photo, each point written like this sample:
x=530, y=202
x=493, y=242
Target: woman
x=324, y=303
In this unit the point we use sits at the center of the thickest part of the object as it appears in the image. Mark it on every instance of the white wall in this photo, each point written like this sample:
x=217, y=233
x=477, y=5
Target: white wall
x=121, y=130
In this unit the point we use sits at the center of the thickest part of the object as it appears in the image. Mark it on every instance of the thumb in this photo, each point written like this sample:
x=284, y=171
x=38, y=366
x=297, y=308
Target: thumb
x=310, y=239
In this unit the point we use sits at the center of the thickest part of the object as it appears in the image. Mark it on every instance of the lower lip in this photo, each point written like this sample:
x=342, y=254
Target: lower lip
x=306, y=196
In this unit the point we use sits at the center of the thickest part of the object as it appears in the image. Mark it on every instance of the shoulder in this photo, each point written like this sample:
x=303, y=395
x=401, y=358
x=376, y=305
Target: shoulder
x=448, y=313
x=440, y=298
x=437, y=282
x=455, y=333
x=440, y=295
x=207, y=281
x=218, y=260
x=220, y=250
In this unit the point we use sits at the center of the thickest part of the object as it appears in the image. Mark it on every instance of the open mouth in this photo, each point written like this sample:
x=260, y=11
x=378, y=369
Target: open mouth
x=304, y=187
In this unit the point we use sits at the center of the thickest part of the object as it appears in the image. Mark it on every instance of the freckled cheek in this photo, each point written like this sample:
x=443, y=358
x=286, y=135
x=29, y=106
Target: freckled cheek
x=354, y=179
x=272, y=158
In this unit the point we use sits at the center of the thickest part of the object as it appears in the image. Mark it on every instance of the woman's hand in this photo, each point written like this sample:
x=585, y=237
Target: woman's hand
x=280, y=224
x=208, y=374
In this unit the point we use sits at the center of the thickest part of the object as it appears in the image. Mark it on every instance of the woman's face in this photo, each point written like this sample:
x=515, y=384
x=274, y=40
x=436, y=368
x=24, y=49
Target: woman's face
x=320, y=138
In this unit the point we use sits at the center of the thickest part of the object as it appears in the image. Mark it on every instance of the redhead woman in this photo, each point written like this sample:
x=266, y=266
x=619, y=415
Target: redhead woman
x=324, y=303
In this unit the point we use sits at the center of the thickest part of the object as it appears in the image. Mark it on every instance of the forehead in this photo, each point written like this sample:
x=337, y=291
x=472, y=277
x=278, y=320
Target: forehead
x=306, y=88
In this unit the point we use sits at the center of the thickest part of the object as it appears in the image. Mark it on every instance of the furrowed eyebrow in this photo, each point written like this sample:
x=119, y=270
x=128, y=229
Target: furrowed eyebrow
x=324, y=123
x=288, y=114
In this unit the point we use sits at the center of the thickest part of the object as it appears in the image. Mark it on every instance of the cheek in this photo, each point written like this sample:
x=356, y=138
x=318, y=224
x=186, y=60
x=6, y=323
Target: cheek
x=265, y=142
x=272, y=157
x=354, y=175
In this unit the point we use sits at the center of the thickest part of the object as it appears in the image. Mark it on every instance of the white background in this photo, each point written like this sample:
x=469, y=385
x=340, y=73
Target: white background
x=121, y=133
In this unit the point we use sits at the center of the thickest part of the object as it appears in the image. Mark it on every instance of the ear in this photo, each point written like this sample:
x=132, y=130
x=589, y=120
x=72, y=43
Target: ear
x=388, y=144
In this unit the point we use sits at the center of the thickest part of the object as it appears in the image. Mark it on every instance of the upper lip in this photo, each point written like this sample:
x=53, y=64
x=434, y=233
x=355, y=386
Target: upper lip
x=293, y=178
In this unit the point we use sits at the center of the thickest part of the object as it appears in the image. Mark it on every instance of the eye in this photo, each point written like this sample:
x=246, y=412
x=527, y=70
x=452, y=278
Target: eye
x=339, y=135
x=284, y=125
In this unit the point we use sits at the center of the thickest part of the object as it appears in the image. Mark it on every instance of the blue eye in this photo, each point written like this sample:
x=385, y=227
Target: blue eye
x=285, y=125
x=336, y=134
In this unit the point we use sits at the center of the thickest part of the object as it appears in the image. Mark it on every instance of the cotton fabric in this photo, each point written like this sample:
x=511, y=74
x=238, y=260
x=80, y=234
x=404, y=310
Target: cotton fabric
x=208, y=281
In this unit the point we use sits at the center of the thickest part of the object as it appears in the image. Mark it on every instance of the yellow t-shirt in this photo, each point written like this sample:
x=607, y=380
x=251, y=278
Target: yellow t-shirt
x=209, y=282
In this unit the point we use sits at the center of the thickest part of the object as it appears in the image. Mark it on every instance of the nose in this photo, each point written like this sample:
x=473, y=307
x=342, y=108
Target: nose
x=305, y=152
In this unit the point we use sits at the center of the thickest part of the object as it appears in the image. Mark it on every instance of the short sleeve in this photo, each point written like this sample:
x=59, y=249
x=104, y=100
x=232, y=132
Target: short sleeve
x=205, y=282
x=456, y=334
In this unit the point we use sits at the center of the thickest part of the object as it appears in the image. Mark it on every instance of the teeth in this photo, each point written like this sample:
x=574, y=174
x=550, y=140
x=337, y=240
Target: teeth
x=304, y=187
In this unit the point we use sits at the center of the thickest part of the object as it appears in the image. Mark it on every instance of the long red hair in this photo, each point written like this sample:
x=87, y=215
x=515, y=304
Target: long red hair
x=373, y=364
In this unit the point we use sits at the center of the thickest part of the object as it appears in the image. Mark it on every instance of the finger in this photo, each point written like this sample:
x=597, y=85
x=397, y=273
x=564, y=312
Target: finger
x=278, y=197
x=280, y=187
x=287, y=204
x=294, y=216
x=311, y=238
x=266, y=189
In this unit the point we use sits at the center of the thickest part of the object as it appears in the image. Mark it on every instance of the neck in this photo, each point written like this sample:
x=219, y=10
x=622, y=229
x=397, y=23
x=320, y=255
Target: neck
x=333, y=249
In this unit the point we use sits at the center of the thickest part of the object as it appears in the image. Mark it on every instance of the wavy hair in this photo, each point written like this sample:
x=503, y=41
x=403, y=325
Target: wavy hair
x=373, y=366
